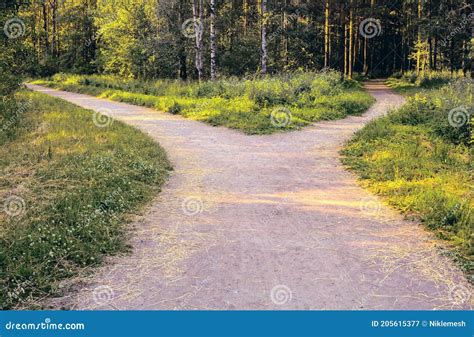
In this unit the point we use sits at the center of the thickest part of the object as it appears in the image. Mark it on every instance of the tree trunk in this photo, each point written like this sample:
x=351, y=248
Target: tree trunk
x=418, y=53
x=351, y=45
x=45, y=27
x=246, y=11
x=183, y=71
x=342, y=39
x=197, y=17
x=213, y=40
x=264, y=38
x=326, y=34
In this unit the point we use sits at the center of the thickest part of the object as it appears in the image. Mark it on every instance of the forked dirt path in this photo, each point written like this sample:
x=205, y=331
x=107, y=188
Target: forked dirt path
x=267, y=222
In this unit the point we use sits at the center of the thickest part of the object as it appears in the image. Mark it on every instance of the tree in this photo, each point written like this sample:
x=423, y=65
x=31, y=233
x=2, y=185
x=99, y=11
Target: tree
x=264, y=51
x=327, y=42
x=198, y=29
x=213, y=40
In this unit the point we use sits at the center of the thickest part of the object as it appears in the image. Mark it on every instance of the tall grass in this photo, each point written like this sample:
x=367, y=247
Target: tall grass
x=411, y=81
x=74, y=183
x=246, y=105
x=420, y=158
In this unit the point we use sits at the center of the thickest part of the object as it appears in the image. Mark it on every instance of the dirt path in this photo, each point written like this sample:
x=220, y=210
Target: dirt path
x=267, y=222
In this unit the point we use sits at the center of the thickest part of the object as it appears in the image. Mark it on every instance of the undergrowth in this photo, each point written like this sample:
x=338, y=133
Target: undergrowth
x=67, y=187
x=420, y=158
x=252, y=106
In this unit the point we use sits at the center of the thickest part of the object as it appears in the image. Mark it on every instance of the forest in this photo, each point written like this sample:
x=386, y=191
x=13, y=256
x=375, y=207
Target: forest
x=187, y=145
x=203, y=39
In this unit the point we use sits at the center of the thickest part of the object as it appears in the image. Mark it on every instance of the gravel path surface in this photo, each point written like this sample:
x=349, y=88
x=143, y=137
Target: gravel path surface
x=266, y=222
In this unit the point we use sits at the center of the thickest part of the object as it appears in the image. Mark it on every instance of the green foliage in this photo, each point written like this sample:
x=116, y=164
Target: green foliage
x=446, y=111
x=246, y=105
x=421, y=163
x=409, y=82
x=78, y=181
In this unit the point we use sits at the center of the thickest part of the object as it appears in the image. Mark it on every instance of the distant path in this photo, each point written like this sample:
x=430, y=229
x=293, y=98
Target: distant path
x=279, y=212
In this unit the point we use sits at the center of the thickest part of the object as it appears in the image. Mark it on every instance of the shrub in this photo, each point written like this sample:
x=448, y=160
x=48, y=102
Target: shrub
x=241, y=104
x=175, y=109
x=421, y=163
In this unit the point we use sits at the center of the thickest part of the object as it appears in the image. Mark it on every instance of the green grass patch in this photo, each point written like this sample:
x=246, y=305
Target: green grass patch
x=410, y=82
x=422, y=164
x=248, y=105
x=75, y=185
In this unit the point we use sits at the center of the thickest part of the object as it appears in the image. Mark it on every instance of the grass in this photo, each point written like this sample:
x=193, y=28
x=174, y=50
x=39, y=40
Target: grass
x=410, y=82
x=261, y=106
x=68, y=187
x=423, y=165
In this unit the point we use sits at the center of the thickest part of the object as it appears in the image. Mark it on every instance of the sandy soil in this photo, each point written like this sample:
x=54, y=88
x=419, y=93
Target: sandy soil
x=266, y=222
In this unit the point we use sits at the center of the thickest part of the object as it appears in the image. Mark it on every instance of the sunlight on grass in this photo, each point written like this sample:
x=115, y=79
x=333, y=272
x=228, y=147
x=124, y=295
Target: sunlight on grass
x=423, y=165
x=246, y=105
x=78, y=182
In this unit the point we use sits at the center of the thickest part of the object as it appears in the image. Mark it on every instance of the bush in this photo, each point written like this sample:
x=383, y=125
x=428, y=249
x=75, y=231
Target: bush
x=447, y=111
x=422, y=163
x=175, y=109
x=241, y=104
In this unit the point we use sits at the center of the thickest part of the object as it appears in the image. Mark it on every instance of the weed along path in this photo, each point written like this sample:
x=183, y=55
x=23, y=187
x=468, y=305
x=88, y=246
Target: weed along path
x=266, y=222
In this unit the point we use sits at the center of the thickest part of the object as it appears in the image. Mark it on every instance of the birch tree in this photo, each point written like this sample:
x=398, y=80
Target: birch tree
x=198, y=29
